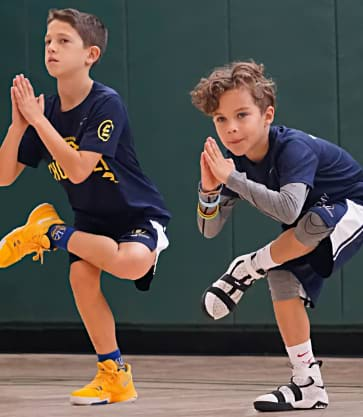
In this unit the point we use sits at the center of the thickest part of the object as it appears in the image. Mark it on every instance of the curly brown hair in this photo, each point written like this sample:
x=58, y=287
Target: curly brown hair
x=206, y=94
x=89, y=27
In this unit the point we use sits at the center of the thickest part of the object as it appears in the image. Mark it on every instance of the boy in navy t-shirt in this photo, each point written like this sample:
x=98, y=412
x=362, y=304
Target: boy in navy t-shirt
x=312, y=187
x=84, y=136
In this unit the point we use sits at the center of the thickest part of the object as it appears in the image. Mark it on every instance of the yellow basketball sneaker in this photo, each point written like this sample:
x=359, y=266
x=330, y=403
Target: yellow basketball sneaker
x=110, y=385
x=30, y=238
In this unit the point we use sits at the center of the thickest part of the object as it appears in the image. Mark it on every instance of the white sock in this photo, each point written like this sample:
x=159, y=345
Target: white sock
x=263, y=259
x=301, y=357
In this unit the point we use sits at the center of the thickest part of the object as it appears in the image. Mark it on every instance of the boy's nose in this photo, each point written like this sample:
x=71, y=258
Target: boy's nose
x=232, y=129
x=50, y=47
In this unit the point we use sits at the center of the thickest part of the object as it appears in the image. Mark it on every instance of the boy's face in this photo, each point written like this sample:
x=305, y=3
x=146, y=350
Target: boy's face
x=240, y=125
x=64, y=50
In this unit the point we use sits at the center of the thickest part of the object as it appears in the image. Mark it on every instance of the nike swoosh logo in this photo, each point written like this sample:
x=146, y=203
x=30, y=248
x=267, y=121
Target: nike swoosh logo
x=300, y=355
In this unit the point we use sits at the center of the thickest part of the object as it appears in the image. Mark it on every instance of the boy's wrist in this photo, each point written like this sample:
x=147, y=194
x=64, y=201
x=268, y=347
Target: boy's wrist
x=209, y=198
x=38, y=121
x=213, y=192
x=17, y=129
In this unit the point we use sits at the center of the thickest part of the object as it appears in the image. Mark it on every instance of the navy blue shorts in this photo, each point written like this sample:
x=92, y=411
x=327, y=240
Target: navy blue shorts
x=150, y=232
x=334, y=251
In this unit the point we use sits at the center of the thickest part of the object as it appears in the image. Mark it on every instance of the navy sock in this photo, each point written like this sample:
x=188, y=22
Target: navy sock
x=115, y=356
x=59, y=235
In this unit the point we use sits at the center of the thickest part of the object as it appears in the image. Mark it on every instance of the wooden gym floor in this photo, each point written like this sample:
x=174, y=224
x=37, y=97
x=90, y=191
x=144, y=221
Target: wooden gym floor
x=170, y=386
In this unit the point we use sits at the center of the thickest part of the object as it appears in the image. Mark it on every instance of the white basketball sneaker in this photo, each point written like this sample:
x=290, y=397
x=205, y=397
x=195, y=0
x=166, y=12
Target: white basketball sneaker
x=223, y=295
x=305, y=391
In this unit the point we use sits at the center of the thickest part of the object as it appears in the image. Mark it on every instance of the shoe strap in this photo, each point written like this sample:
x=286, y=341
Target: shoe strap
x=260, y=273
x=223, y=297
x=238, y=284
x=312, y=371
x=294, y=388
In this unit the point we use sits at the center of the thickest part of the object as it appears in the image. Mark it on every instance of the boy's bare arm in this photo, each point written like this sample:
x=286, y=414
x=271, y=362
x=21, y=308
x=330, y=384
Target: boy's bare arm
x=10, y=168
x=77, y=165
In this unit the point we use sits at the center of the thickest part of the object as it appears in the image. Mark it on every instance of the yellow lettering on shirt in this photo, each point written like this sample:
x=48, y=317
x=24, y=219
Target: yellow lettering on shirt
x=102, y=167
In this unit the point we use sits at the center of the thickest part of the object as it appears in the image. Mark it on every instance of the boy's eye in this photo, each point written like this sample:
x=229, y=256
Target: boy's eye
x=241, y=115
x=47, y=42
x=63, y=40
x=220, y=119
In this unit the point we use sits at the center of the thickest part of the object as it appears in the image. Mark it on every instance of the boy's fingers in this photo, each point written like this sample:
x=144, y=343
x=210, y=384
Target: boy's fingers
x=216, y=149
x=210, y=151
x=217, y=152
x=19, y=90
x=28, y=86
x=208, y=159
x=41, y=99
x=203, y=161
x=12, y=94
x=16, y=92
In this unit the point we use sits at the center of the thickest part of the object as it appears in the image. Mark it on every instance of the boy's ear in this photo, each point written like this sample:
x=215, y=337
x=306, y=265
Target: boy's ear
x=94, y=53
x=269, y=115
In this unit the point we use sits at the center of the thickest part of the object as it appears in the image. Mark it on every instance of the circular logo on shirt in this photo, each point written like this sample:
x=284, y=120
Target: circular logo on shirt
x=104, y=130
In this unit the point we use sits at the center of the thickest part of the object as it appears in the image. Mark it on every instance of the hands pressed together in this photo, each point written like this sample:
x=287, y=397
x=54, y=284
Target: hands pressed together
x=27, y=109
x=215, y=168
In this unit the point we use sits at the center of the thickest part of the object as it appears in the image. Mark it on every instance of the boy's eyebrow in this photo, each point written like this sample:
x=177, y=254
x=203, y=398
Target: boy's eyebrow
x=239, y=109
x=242, y=108
x=57, y=34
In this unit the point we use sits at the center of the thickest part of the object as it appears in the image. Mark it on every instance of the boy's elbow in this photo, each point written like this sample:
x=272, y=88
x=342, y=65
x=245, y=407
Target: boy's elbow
x=5, y=182
x=75, y=180
x=78, y=177
x=209, y=235
x=208, y=231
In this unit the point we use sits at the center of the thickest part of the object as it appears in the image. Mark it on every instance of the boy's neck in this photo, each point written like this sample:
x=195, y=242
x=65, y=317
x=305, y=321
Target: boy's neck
x=72, y=92
x=259, y=153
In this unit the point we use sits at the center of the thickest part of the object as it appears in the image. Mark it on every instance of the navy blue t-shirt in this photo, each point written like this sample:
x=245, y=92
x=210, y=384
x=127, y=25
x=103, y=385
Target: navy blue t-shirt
x=329, y=171
x=117, y=187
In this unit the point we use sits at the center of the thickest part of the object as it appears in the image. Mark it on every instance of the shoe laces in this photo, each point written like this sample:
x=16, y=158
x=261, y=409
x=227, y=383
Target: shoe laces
x=35, y=245
x=101, y=377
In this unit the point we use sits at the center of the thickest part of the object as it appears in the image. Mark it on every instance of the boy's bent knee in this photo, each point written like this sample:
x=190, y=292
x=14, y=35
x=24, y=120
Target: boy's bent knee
x=283, y=285
x=83, y=275
x=132, y=262
x=133, y=272
x=311, y=230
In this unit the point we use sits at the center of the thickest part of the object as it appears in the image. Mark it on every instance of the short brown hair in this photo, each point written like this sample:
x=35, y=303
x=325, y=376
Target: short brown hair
x=250, y=75
x=89, y=27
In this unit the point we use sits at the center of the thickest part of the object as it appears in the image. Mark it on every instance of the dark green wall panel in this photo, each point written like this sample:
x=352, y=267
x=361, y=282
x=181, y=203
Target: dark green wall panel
x=14, y=58
x=351, y=128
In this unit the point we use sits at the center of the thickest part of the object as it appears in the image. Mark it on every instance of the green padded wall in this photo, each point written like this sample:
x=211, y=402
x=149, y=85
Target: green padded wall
x=157, y=52
x=350, y=103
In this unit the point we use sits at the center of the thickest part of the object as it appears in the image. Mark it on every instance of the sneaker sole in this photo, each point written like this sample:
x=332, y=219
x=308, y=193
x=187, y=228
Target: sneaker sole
x=270, y=406
x=96, y=401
